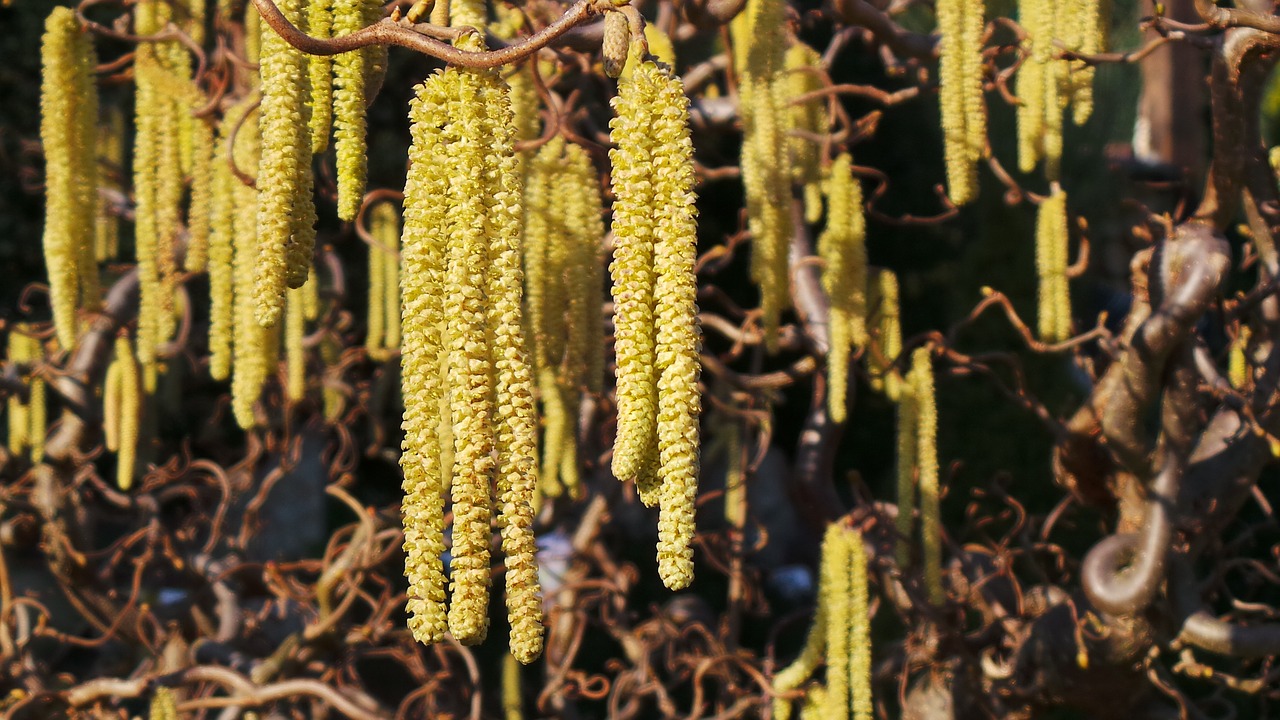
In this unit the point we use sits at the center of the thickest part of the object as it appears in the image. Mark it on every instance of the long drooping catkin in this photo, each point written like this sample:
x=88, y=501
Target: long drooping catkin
x=110, y=168
x=200, y=212
x=111, y=406
x=221, y=246
x=320, y=69
x=842, y=247
x=882, y=299
x=349, y=121
x=678, y=341
x=859, y=630
x=838, y=595
x=249, y=361
x=284, y=170
x=759, y=47
x=516, y=434
x=907, y=451
x=810, y=116
x=129, y=413
x=426, y=475
x=384, y=228
x=927, y=461
x=960, y=94
x=68, y=129
x=1054, y=317
x=295, y=387
x=635, y=447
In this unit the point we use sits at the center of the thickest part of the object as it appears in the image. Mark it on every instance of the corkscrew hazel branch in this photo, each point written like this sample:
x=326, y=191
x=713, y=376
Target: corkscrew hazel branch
x=391, y=31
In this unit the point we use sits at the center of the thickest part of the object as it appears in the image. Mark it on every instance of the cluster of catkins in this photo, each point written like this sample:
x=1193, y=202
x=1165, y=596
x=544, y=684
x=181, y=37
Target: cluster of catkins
x=841, y=631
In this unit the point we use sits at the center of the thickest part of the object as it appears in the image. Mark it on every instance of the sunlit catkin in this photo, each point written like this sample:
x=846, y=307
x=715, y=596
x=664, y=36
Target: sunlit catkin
x=859, y=630
x=349, y=121
x=676, y=313
x=295, y=388
x=1032, y=16
x=960, y=94
x=423, y=261
x=384, y=229
x=882, y=297
x=249, y=361
x=1238, y=362
x=635, y=447
x=221, y=246
x=37, y=411
x=843, y=249
x=68, y=126
x=922, y=391
x=1054, y=317
x=907, y=452
x=200, y=212
x=110, y=169
x=815, y=644
x=22, y=347
x=516, y=433
x=808, y=116
x=759, y=47
x=837, y=594
x=284, y=188
x=320, y=70
x=130, y=409
x=111, y=406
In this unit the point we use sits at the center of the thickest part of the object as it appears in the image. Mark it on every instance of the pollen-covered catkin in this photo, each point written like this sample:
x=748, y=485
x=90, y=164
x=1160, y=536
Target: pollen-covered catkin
x=676, y=315
x=635, y=447
x=926, y=410
x=882, y=300
x=1054, y=317
x=426, y=474
x=68, y=128
x=808, y=116
x=516, y=431
x=295, y=388
x=960, y=94
x=382, y=225
x=842, y=247
x=221, y=246
x=130, y=408
x=284, y=188
x=837, y=594
x=320, y=69
x=1030, y=83
x=200, y=212
x=759, y=47
x=859, y=631
x=349, y=120
x=249, y=345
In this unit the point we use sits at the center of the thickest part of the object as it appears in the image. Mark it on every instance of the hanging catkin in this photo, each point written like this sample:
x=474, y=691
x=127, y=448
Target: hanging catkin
x=838, y=595
x=384, y=229
x=653, y=169
x=1238, y=363
x=320, y=70
x=284, y=172
x=1054, y=316
x=221, y=246
x=908, y=417
x=759, y=46
x=68, y=129
x=960, y=94
x=349, y=121
x=22, y=347
x=882, y=300
x=110, y=168
x=926, y=411
x=249, y=346
x=130, y=407
x=810, y=116
x=842, y=247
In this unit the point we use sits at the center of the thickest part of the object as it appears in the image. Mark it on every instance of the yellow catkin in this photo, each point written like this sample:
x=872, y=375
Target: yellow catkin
x=908, y=452
x=838, y=595
x=163, y=705
x=882, y=303
x=68, y=129
x=759, y=46
x=516, y=434
x=295, y=356
x=616, y=43
x=249, y=346
x=111, y=406
x=130, y=409
x=810, y=116
x=1093, y=18
x=284, y=169
x=842, y=247
x=320, y=69
x=512, y=707
x=21, y=348
x=349, y=120
x=110, y=168
x=524, y=103
x=1054, y=317
x=676, y=312
x=635, y=447
x=1238, y=364
x=927, y=461
x=221, y=247
x=543, y=227
x=859, y=631
x=471, y=13
x=815, y=644
x=200, y=212
x=960, y=94
x=37, y=414
x=149, y=106
x=1030, y=85
x=584, y=361
x=382, y=225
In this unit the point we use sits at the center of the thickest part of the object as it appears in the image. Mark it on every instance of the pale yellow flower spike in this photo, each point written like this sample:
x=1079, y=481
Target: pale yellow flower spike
x=512, y=708
x=349, y=121
x=1238, y=367
x=200, y=213
x=809, y=116
x=130, y=410
x=882, y=297
x=859, y=631
x=422, y=256
x=391, y=286
x=249, y=362
x=221, y=248
x=68, y=126
x=283, y=191
x=37, y=413
x=1030, y=85
x=837, y=593
x=815, y=644
x=842, y=247
x=960, y=94
x=759, y=46
x=20, y=349
x=908, y=453
x=635, y=447
x=676, y=315
x=471, y=368
x=111, y=407
x=148, y=129
x=585, y=277
x=320, y=68
x=516, y=435
x=295, y=388
x=163, y=705
x=927, y=461
x=382, y=225
x=1054, y=319
x=110, y=161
